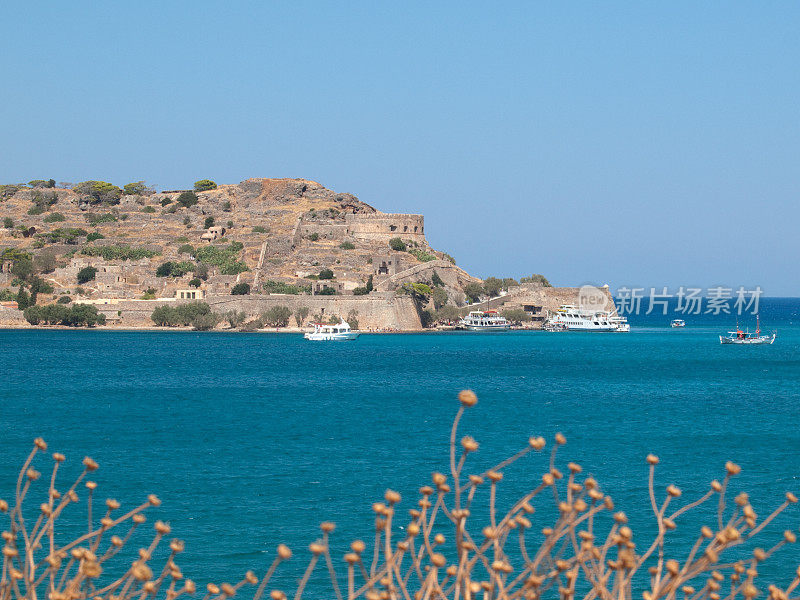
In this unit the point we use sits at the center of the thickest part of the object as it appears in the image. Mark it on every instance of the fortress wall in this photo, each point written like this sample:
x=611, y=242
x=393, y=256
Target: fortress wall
x=377, y=310
x=450, y=274
x=383, y=226
x=549, y=298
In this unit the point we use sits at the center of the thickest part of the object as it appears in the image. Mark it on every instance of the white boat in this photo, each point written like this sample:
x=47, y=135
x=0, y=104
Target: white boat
x=574, y=318
x=746, y=337
x=678, y=323
x=340, y=332
x=478, y=320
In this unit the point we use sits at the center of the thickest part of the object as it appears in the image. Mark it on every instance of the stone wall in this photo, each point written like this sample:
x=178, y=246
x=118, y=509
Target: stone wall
x=384, y=226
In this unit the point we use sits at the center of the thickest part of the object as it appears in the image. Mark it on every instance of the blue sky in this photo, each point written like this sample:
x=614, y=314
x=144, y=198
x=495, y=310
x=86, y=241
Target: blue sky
x=628, y=143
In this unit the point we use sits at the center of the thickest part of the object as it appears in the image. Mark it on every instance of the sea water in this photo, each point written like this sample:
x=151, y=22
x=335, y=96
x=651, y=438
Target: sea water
x=253, y=439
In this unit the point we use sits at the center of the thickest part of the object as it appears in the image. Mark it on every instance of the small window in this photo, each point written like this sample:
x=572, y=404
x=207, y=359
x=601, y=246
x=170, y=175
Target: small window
x=392, y=227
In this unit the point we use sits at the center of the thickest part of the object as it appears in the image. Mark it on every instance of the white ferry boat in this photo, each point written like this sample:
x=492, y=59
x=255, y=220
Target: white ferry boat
x=478, y=320
x=332, y=333
x=678, y=323
x=574, y=318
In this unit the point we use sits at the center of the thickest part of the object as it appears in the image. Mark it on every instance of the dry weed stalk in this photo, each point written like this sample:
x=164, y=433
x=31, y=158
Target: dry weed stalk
x=576, y=556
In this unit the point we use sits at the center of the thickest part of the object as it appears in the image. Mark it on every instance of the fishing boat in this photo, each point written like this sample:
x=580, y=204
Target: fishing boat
x=478, y=320
x=574, y=318
x=678, y=323
x=340, y=332
x=746, y=337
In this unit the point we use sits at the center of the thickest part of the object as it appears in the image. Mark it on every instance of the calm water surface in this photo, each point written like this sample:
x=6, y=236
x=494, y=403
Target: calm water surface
x=252, y=439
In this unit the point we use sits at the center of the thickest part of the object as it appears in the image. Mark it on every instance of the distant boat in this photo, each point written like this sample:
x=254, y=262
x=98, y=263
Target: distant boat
x=340, y=332
x=745, y=337
x=478, y=320
x=678, y=323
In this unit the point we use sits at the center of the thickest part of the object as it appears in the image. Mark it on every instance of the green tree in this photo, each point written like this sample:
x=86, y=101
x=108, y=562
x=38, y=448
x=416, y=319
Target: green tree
x=240, y=289
x=54, y=217
x=23, y=299
x=492, y=286
x=509, y=282
x=397, y=244
x=448, y=314
x=94, y=236
x=187, y=199
x=360, y=291
x=439, y=297
x=164, y=316
x=436, y=280
x=99, y=191
x=8, y=223
x=516, y=315
x=326, y=274
x=149, y=209
x=86, y=274
x=137, y=188
x=204, y=185
x=369, y=285
x=205, y=322
x=23, y=269
x=352, y=319
x=196, y=282
x=347, y=246
x=473, y=291
x=235, y=318
x=277, y=316
x=300, y=315
x=45, y=262
x=209, y=222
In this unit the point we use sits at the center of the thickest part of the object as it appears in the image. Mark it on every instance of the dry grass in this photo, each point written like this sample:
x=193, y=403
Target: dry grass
x=578, y=554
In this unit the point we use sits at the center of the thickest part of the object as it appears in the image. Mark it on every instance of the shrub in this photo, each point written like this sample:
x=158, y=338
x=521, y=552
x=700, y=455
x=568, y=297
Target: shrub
x=35, y=210
x=180, y=315
x=86, y=274
x=536, y=278
x=223, y=257
x=446, y=256
x=327, y=291
x=278, y=287
x=149, y=209
x=436, y=280
x=196, y=282
x=300, y=315
x=165, y=201
x=64, y=300
x=226, y=206
x=240, y=289
x=360, y=291
x=42, y=202
x=77, y=315
x=277, y=316
x=326, y=274
x=149, y=294
x=114, y=252
x=174, y=269
x=67, y=235
x=97, y=192
x=313, y=237
x=209, y=222
x=492, y=286
x=186, y=249
x=447, y=314
x=204, y=185
x=23, y=299
x=347, y=246
x=187, y=199
x=42, y=183
x=352, y=319
x=259, y=229
x=54, y=218
x=235, y=318
x=94, y=219
x=421, y=255
x=95, y=235
x=8, y=223
x=397, y=244
x=45, y=262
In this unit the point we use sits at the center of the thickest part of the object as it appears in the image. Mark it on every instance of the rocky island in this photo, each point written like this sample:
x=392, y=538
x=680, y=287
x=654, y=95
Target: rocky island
x=261, y=253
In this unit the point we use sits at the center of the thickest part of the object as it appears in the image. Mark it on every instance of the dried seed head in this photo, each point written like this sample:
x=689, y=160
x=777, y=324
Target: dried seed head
x=91, y=569
x=452, y=570
x=351, y=558
x=33, y=474
x=412, y=530
x=112, y=504
x=716, y=486
x=116, y=541
x=673, y=491
x=537, y=443
x=391, y=497
x=277, y=595
x=379, y=508
x=316, y=548
x=527, y=508
x=141, y=572
x=91, y=485
x=327, y=526
x=439, y=478
x=358, y=546
x=90, y=464
x=625, y=533
x=469, y=444
x=251, y=578
x=742, y=499
x=608, y=503
x=45, y=509
x=107, y=522
x=467, y=398
x=58, y=457
x=494, y=476
x=548, y=479
x=789, y=537
x=580, y=505
x=669, y=523
x=138, y=518
x=176, y=546
x=40, y=444
x=475, y=479
x=732, y=468
x=227, y=589
x=3, y=506
x=652, y=459
x=574, y=467
x=759, y=554
x=438, y=538
x=284, y=552
x=791, y=498
x=547, y=531
x=489, y=533
x=162, y=528
x=438, y=560
x=153, y=500
x=212, y=589
x=560, y=439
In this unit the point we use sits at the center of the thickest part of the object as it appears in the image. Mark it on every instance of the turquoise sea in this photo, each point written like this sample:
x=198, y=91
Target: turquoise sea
x=253, y=439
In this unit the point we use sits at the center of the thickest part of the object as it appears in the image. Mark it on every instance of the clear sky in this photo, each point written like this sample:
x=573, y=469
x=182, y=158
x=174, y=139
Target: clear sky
x=641, y=143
